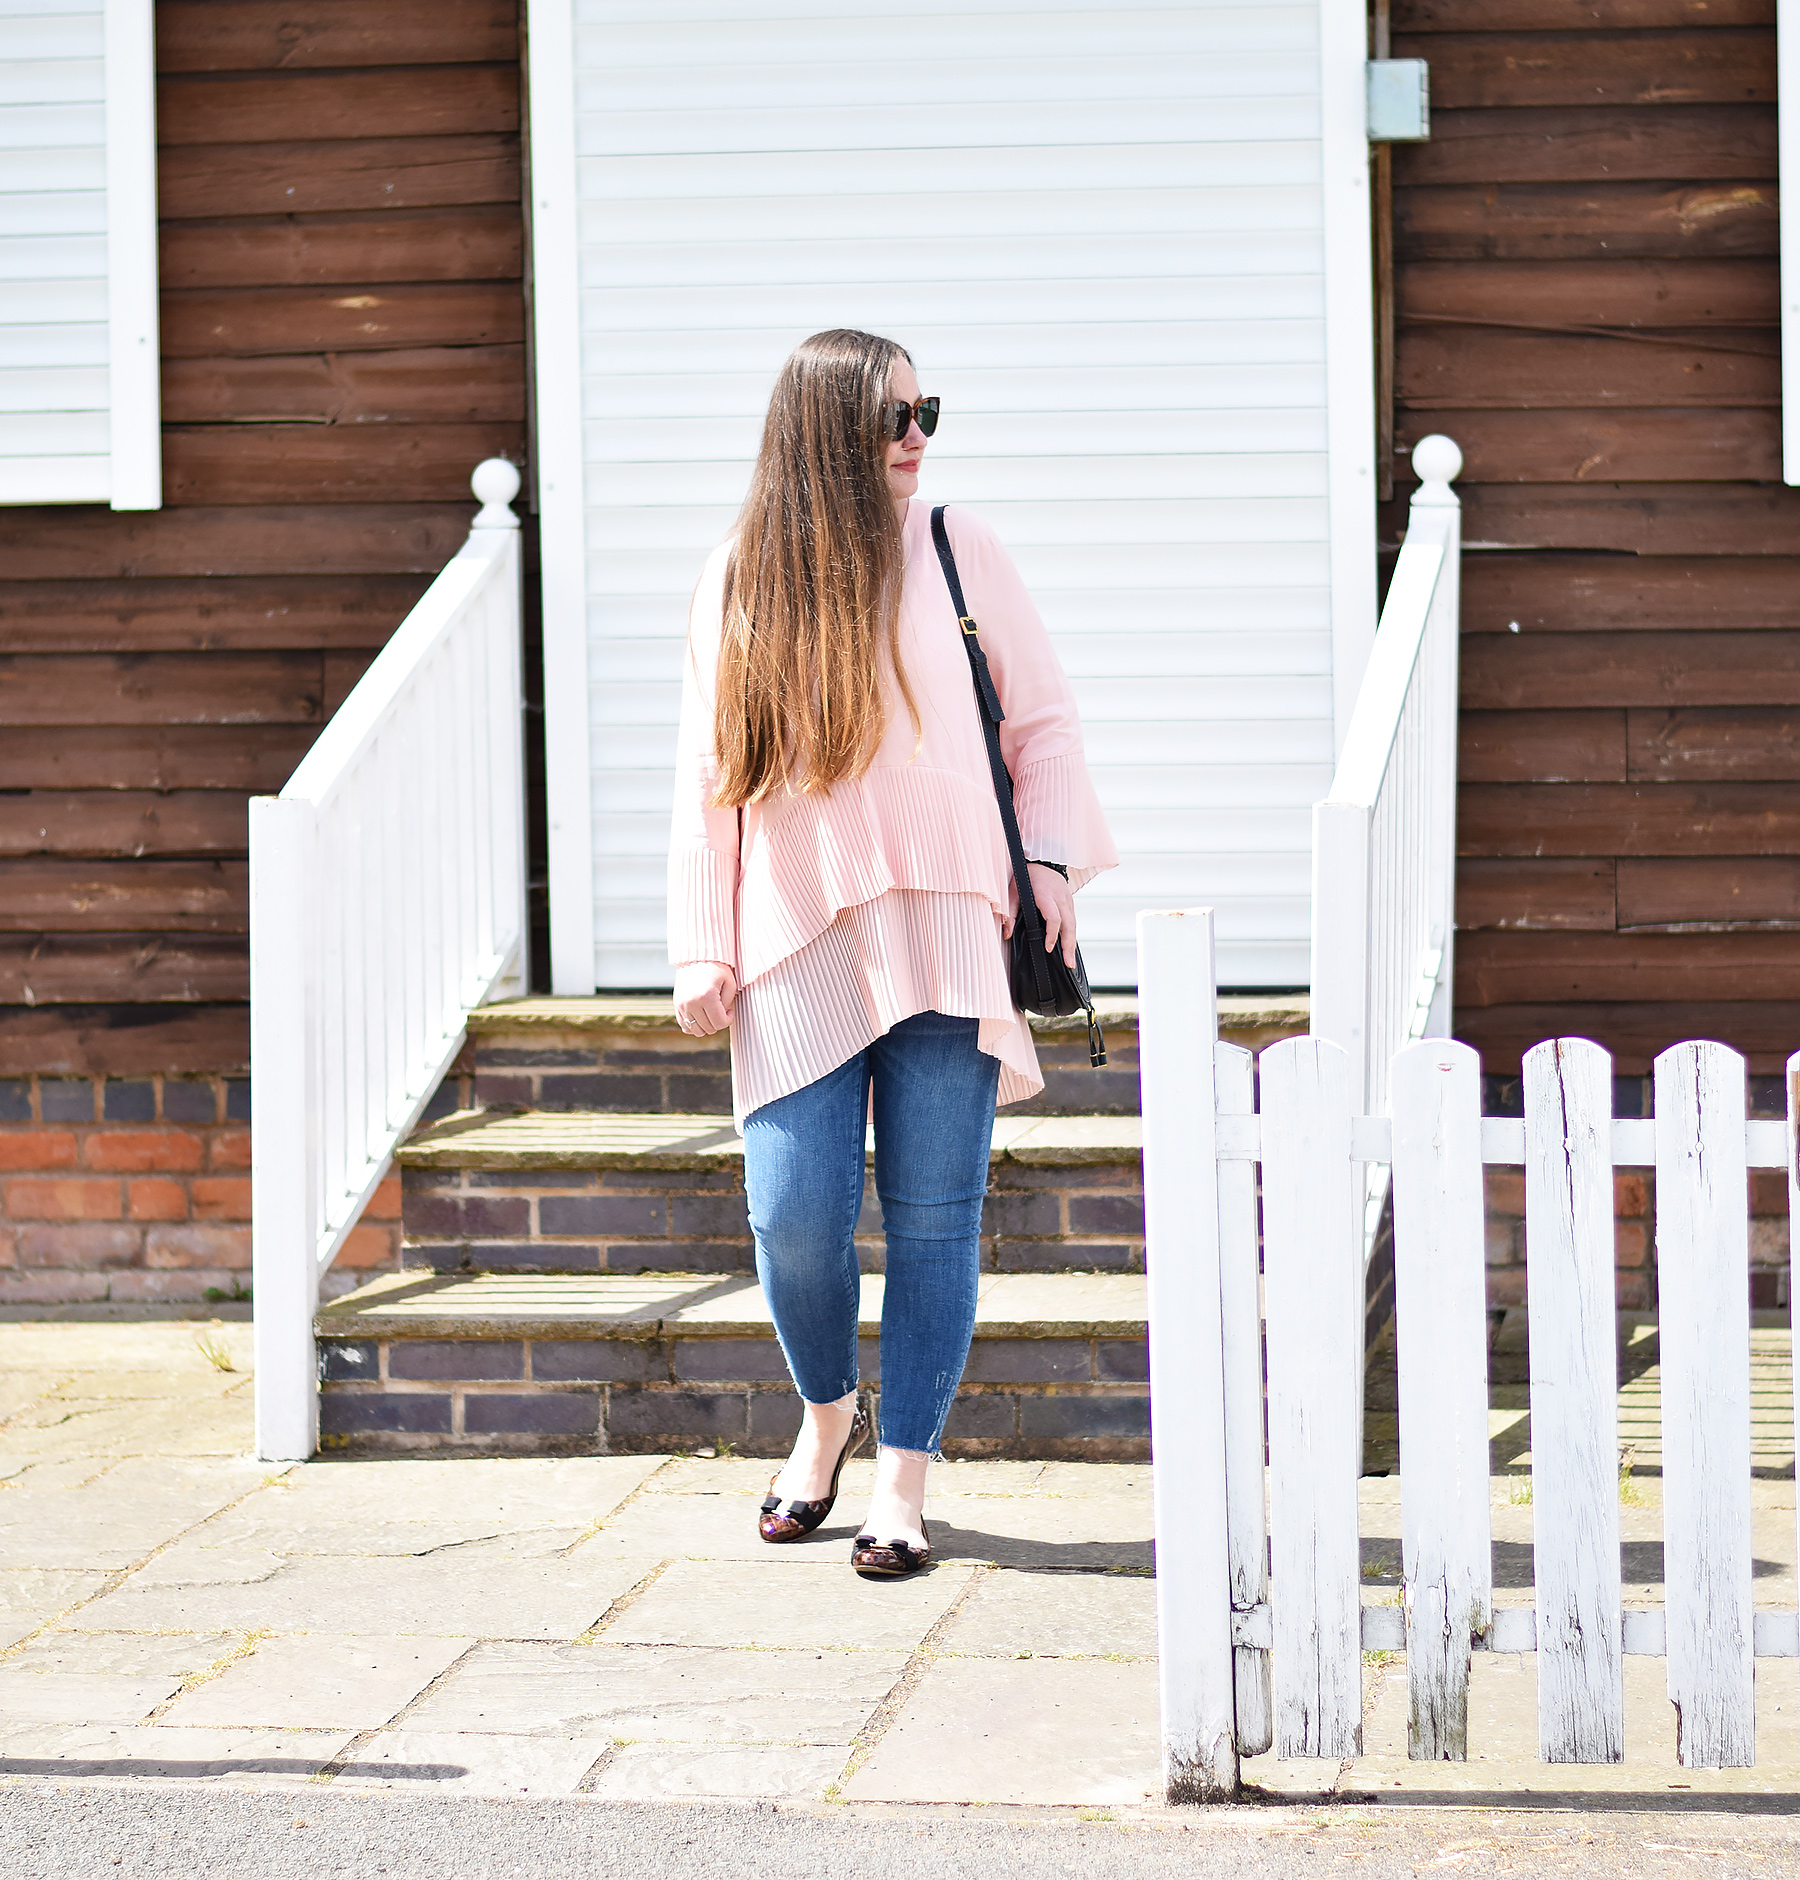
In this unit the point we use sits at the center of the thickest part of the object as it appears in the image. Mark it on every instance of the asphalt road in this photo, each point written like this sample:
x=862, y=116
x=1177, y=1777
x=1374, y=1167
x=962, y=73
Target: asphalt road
x=161, y=1831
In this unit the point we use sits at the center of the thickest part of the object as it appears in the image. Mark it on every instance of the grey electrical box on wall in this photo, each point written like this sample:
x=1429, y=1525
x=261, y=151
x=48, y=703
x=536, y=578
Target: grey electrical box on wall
x=1399, y=101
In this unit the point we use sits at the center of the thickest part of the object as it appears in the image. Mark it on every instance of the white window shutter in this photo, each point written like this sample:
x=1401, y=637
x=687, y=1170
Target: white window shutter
x=80, y=410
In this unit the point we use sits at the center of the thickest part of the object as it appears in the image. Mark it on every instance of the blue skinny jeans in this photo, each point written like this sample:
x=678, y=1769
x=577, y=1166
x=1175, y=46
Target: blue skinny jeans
x=803, y=1167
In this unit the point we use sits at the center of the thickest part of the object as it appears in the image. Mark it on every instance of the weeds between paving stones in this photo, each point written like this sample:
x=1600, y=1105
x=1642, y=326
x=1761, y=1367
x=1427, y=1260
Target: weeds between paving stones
x=214, y=1350
x=623, y=1603
x=242, y=1649
x=925, y=1654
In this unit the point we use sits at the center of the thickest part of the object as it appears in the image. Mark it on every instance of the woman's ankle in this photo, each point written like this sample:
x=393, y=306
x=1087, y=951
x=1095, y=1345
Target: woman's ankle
x=897, y=1506
x=824, y=1429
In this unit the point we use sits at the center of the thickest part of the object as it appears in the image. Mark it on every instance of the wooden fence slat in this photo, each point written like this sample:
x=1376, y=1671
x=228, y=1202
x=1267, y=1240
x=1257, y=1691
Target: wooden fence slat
x=1313, y=1300
x=1703, y=1267
x=1440, y=1296
x=1177, y=1030
x=1234, y=1084
x=1574, y=1401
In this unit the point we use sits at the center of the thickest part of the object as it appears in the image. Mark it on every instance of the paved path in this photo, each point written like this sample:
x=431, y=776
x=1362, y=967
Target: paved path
x=590, y=1633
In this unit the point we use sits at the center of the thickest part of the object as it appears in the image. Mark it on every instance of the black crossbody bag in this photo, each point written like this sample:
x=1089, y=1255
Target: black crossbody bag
x=1041, y=982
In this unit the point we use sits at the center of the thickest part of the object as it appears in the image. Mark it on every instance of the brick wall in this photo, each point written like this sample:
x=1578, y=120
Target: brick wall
x=115, y=1188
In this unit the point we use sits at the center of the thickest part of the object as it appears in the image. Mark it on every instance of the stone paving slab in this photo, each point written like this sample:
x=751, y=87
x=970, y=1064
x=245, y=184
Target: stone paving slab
x=112, y=1525
x=1055, y=1615
x=57, y=1427
x=652, y=1772
x=321, y=1681
x=1110, y=1536
x=244, y=1758
x=520, y=1587
x=80, y=1697
x=400, y=1506
x=1031, y=1731
x=30, y=1596
x=788, y=1605
x=670, y=1694
x=464, y=1764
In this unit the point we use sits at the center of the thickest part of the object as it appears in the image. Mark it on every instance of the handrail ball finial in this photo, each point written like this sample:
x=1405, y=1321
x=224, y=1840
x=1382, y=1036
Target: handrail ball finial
x=1436, y=462
x=495, y=483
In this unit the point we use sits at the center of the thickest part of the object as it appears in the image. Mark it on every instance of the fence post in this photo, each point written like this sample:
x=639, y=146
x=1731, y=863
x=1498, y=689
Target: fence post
x=1574, y=1401
x=1177, y=1030
x=1312, y=1291
x=284, y=1192
x=1703, y=1280
x=1240, y=1306
x=1440, y=1296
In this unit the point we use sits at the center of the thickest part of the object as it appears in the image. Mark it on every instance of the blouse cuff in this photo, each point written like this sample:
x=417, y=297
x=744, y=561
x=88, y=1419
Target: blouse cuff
x=703, y=907
x=1060, y=819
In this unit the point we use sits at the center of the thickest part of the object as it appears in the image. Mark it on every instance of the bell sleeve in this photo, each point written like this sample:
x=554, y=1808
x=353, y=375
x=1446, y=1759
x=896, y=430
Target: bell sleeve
x=703, y=840
x=1060, y=818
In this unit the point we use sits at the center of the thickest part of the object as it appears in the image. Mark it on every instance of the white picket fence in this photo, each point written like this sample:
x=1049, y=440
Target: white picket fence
x=1262, y=1626
x=387, y=900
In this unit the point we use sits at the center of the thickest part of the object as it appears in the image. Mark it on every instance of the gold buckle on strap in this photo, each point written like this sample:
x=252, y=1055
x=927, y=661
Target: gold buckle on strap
x=968, y=625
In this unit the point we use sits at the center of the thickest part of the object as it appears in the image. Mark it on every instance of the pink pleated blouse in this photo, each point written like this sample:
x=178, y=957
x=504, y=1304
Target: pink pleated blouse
x=843, y=913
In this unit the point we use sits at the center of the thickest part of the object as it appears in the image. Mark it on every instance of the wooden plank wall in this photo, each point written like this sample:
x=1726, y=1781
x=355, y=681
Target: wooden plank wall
x=1586, y=292
x=343, y=340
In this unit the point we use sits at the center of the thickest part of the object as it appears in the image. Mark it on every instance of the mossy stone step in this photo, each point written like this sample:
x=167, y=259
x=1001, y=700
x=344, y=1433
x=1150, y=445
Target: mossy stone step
x=521, y=1363
x=626, y=1053
x=579, y=1192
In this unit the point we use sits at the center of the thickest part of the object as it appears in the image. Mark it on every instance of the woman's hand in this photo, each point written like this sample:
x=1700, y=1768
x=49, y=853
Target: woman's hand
x=1056, y=902
x=705, y=992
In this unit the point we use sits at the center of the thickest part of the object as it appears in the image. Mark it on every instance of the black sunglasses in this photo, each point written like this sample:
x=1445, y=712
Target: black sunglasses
x=897, y=419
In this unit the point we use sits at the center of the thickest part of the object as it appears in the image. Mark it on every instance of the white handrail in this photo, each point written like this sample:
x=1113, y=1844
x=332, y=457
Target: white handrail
x=387, y=900
x=1384, y=839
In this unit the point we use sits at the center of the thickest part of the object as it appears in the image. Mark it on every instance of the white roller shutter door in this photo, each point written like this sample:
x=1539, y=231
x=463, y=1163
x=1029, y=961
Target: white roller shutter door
x=1098, y=231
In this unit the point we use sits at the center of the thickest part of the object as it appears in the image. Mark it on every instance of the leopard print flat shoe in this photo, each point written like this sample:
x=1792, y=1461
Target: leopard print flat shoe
x=889, y=1560
x=793, y=1520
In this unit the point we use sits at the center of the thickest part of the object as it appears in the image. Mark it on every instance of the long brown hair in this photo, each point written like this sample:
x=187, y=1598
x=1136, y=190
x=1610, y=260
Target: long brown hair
x=812, y=584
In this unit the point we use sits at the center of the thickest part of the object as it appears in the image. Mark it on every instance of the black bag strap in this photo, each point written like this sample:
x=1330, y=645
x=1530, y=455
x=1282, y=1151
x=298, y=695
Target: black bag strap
x=991, y=717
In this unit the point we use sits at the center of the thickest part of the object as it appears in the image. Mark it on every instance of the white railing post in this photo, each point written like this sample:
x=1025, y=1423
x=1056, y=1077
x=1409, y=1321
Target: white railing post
x=1380, y=910
x=496, y=484
x=1438, y=462
x=388, y=898
x=1178, y=1028
x=284, y=1178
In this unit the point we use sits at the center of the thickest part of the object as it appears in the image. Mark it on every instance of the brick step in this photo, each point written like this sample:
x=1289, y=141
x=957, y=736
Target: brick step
x=540, y=1364
x=586, y=1192
x=626, y=1054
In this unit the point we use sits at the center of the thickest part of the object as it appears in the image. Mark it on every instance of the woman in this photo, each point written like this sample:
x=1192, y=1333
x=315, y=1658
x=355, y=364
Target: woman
x=839, y=894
